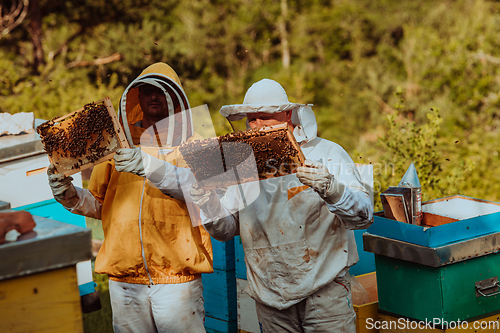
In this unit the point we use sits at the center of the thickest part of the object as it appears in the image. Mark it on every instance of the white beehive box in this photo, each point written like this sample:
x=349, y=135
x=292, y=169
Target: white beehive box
x=23, y=170
x=24, y=181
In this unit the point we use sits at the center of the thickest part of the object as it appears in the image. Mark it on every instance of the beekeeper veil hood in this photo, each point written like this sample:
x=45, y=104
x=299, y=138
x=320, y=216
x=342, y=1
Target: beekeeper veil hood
x=178, y=126
x=269, y=96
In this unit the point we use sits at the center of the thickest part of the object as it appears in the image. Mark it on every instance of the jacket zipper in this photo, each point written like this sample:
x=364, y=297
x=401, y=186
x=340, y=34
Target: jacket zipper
x=140, y=233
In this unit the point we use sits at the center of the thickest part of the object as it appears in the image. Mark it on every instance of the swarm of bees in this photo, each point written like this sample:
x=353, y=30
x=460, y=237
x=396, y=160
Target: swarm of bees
x=80, y=137
x=272, y=150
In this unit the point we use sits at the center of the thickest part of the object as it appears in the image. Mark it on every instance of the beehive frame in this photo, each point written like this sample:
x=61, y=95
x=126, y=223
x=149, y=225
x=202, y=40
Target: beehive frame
x=118, y=140
x=221, y=181
x=290, y=137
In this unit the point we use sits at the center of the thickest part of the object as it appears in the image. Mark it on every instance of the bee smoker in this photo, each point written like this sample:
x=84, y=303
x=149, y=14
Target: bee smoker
x=410, y=180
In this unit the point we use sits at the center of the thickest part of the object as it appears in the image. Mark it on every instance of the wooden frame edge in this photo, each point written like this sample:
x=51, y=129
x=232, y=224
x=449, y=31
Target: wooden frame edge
x=118, y=128
x=122, y=140
x=88, y=165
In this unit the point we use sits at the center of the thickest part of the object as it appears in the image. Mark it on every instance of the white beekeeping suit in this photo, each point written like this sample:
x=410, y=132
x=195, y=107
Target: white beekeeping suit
x=296, y=242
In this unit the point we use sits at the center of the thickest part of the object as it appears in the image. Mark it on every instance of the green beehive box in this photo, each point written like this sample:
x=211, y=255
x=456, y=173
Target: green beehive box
x=448, y=268
x=425, y=293
x=426, y=283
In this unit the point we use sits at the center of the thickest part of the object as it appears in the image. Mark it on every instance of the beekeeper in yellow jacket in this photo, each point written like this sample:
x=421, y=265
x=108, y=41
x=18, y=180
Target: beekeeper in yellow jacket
x=153, y=253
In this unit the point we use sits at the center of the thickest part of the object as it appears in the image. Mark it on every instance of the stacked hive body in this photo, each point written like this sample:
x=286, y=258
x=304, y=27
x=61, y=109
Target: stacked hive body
x=83, y=138
x=39, y=279
x=241, y=157
x=23, y=171
x=445, y=269
x=219, y=290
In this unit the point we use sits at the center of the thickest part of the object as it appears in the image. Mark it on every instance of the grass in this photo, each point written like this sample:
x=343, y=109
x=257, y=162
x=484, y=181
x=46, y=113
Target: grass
x=96, y=227
x=100, y=321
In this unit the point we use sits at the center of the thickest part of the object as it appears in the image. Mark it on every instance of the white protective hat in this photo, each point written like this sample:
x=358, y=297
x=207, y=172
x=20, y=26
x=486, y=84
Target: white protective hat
x=269, y=96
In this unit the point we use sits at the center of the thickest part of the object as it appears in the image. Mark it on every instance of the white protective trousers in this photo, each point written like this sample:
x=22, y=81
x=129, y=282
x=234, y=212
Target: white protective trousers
x=165, y=308
x=327, y=310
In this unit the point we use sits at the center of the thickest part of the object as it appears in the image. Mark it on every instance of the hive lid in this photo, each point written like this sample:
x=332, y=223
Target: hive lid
x=50, y=245
x=13, y=147
x=432, y=256
x=460, y=218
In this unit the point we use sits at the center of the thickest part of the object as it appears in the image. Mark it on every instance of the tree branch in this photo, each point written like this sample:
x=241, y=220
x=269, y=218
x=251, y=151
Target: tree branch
x=383, y=104
x=99, y=61
x=64, y=45
x=486, y=57
x=14, y=17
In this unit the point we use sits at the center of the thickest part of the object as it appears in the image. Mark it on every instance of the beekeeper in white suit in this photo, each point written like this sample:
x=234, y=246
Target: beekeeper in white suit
x=297, y=233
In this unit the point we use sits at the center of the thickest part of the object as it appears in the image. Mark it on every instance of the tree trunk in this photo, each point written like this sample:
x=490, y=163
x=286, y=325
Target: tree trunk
x=285, y=50
x=35, y=30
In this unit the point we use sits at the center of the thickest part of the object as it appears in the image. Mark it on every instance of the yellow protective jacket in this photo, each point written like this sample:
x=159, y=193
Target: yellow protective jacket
x=149, y=237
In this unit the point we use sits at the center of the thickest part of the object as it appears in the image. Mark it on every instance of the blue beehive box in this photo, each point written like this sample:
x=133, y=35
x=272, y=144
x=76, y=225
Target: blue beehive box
x=51, y=209
x=223, y=255
x=239, y=257
x=219, y=290
x=471, y=218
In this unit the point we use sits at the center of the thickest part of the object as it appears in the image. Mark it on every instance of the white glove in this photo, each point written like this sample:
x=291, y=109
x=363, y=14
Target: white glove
x=129, y=160
x=316, y=175
x=62, y=189
x=207, y=201
x=139, y=163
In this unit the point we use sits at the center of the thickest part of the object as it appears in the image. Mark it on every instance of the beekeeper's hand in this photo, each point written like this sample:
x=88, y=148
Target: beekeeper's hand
x=135, y=161
x=62, y=189
x=316, y=175
x=129, y=160
x=207, y=201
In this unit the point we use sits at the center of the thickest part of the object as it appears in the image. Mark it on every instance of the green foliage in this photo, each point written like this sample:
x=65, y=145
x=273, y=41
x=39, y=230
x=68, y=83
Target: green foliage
x=407, y=142
x=49, y=95
x=348, y=58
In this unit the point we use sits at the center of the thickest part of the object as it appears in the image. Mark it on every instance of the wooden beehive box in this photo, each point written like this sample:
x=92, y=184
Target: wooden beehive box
x=241, y=157
x=83, y=138
x=367, y=313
